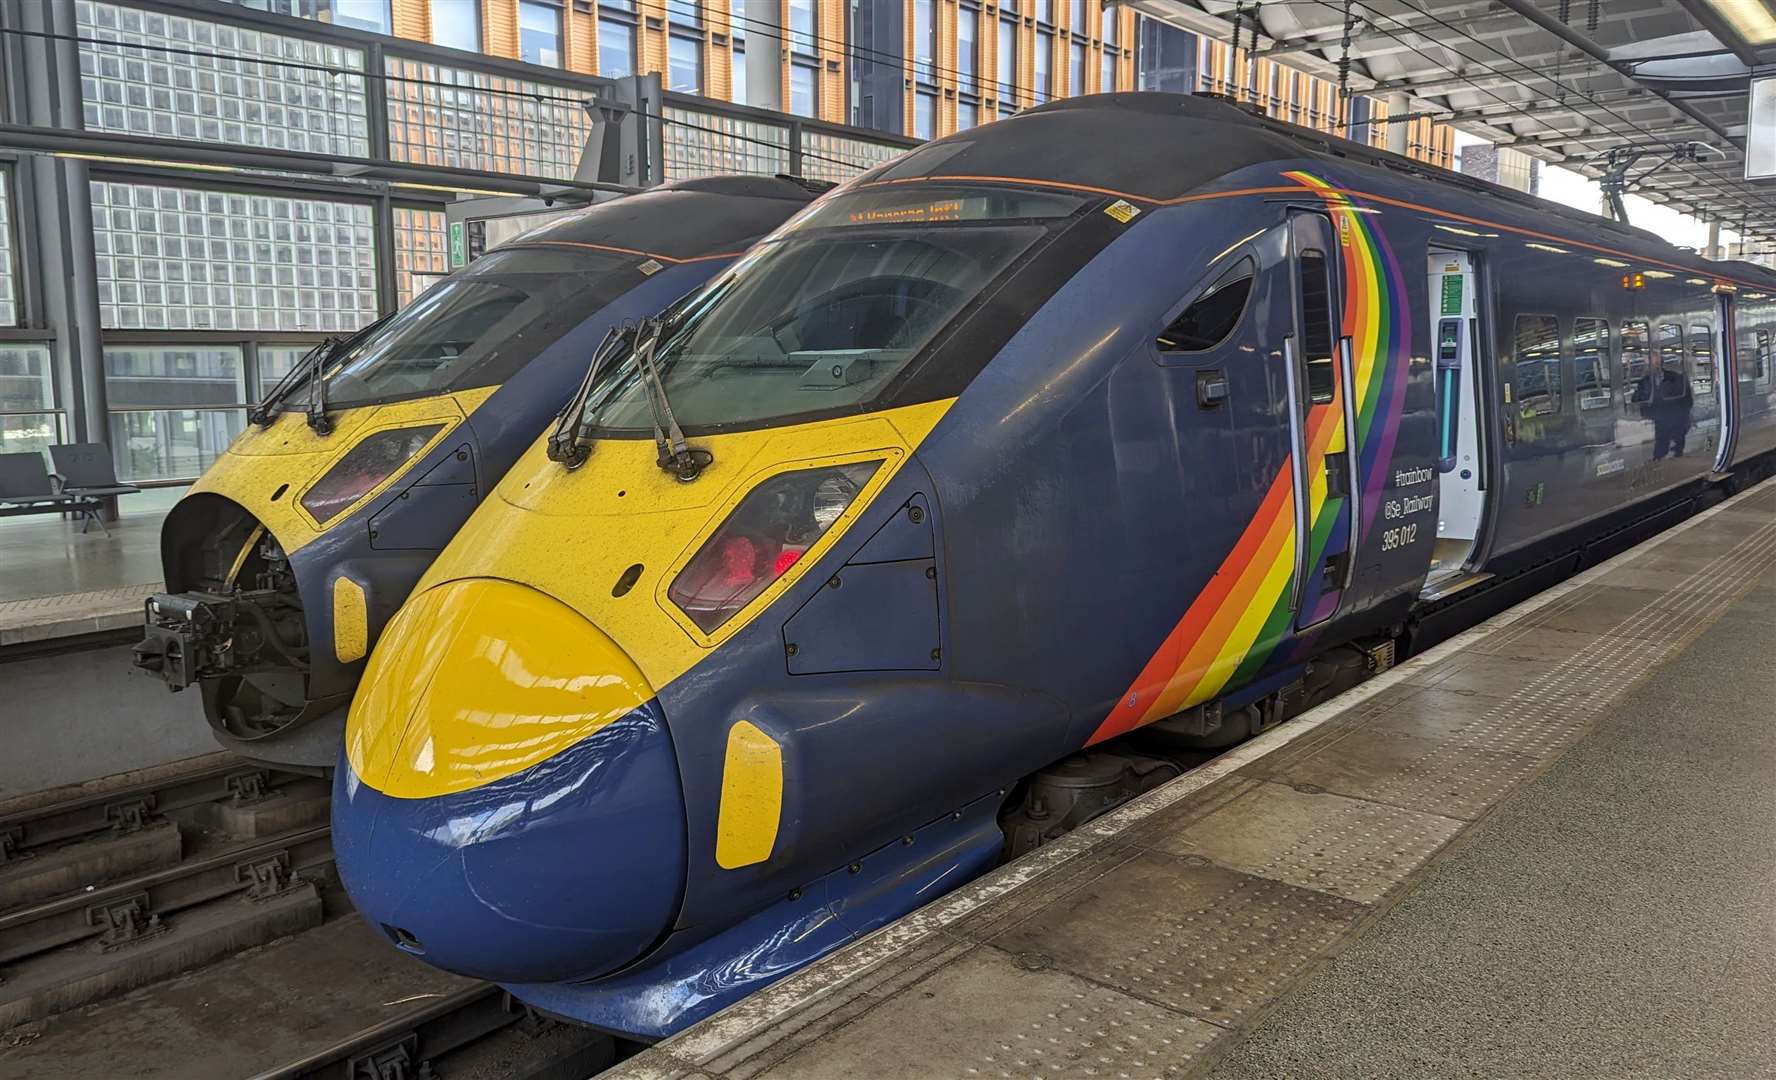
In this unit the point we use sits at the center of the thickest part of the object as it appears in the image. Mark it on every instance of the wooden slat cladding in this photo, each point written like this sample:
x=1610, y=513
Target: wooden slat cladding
x=499, y=28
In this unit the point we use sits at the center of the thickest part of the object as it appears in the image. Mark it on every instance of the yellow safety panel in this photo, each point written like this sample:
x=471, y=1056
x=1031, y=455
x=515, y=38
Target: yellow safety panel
x=574, y=534
x=351, y=620
x=266, y=470
x=478, y=679
x=751, y=798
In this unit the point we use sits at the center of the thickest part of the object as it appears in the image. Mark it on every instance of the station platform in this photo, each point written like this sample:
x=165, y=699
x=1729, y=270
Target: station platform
x=1541, y=848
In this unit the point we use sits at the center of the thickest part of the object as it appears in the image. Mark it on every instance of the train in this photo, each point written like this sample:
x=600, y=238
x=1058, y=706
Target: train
x=288, y=556
x=1007, y=480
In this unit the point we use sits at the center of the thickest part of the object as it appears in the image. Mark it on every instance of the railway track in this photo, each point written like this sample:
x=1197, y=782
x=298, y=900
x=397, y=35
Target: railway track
x=105, y=890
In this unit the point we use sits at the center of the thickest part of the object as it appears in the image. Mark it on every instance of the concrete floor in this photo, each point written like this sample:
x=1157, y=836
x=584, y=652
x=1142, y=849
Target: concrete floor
x=42, y=555
x=1614, y=918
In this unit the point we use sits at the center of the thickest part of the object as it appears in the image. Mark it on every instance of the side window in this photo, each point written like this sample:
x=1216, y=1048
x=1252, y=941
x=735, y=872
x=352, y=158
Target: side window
x=1591, y=363
x=1762, y=364
x=1538, y=365
x=1212, y=317
x=1671, y=381
x=1702, y=358
x=1636, y=362
x=1318, y=339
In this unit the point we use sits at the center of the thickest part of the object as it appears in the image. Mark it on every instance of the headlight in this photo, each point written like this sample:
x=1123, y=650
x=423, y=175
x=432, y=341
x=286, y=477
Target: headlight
x=363, y=467
x=764, y=536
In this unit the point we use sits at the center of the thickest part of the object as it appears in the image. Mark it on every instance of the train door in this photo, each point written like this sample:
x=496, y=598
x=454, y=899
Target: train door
x=1727, y=380
x=1461, y=479
x=1317, y=357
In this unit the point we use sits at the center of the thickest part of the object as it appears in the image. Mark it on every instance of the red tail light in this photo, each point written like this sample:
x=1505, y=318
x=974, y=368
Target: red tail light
x=763, y=538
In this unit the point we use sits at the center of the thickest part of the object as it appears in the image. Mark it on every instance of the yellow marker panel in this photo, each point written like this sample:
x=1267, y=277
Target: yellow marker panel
x=751, y=799
x=351, y=620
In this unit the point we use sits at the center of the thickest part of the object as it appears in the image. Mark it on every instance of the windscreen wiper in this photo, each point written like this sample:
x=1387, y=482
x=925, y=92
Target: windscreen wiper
x=312, y=365
x=317, y=390
x=568, y=443
x=265, y=413
x=676, y=455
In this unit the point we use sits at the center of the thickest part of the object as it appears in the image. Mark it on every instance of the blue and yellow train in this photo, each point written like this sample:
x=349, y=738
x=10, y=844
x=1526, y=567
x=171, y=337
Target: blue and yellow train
x=977, y=499
x=284, y=562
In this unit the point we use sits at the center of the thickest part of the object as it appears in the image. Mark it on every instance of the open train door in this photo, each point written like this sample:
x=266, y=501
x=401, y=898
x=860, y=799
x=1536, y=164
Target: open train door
x=1321, y=417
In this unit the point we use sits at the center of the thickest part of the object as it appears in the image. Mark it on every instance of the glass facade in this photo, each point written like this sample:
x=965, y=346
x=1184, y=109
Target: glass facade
x=174, y=408
x=702, y=144
x=456, y=24
x=9, y=305
x=838, y=158
x=1165, y=57
x=422, y=250
x=478, y=120
x=189, y=258
x=218, y=98
x=539, y=33
x=29, y=419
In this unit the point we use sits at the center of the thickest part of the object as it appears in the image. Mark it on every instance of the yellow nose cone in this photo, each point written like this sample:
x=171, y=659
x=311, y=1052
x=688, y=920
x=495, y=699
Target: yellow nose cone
x=478, y=679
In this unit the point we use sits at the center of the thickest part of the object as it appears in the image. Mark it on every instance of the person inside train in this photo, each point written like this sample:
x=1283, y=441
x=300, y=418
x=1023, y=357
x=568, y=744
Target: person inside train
x=1667, y=401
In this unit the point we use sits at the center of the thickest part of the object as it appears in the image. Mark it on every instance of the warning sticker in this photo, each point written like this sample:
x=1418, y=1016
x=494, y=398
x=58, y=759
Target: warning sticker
x=1122, y=210
x=651, y=267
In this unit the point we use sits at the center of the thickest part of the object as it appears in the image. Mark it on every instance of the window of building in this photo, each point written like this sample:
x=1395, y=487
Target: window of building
x=1107, y=76
x=1076, y=68
x=1539, y=389
x=1007, y=60
x=925, y=40
x=539, y=33
x=738, y=81
x=967, y=115
x=1107, y=24
x=684, y=65
x=29, y=419
x=1079, y=22
x=801, y=89
x=371, y=15
x=1211, y=317
x=1636, y=339
x=925, y=115
x=1045, y=12
x=967, y=47
x=804, y=30
x=685, y=12
x=616, y=48
x=1592, y=363
x=1044, y=65
x=174, y=408
x=737, y=19
x=9, y=307
x=456, y=24
x=1165, y=57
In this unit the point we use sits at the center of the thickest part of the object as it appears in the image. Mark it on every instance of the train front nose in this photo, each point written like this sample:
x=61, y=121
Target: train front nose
x=508, y=806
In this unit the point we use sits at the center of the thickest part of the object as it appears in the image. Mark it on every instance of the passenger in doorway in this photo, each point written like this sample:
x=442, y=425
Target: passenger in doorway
x=1667, y=402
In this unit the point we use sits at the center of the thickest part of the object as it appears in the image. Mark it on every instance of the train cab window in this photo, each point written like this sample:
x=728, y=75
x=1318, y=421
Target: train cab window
x=1701, y=358
x=1636, y=358
x=1539, y=388
x=1591, y=363
x=1211, y=317
x=1316, y=324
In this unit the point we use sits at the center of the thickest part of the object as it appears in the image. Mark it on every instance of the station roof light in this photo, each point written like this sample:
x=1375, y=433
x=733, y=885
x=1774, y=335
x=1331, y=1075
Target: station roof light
x=1750, y=19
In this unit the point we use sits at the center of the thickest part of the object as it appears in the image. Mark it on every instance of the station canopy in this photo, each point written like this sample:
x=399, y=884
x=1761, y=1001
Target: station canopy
x=1664, y=84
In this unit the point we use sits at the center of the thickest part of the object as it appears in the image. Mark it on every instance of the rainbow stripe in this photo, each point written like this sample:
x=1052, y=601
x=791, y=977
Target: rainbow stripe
x=1245, y=612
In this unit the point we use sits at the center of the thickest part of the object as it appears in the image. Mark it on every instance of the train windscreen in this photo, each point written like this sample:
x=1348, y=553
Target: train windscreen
x=825, y=312
x=479, y=326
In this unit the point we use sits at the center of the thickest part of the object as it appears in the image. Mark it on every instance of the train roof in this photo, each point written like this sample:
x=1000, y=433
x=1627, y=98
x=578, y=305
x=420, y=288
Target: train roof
x=1163, y=146
x=689, y=219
